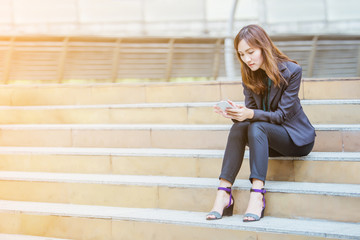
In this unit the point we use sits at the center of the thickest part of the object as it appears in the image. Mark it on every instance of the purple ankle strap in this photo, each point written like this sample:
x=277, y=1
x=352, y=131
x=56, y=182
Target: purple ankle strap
x=258, y=190
x=227, y=189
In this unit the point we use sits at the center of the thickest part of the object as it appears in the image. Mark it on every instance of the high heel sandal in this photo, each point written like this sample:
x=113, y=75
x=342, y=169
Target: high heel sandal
x=228, y=210
x=254, y=216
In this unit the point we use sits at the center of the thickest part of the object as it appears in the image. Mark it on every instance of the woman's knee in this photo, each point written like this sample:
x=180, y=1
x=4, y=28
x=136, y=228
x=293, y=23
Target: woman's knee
x=239, y=129
x=256, y=129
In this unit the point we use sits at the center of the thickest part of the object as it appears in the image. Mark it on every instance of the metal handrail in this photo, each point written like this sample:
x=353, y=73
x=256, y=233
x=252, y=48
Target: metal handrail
x=57, y=59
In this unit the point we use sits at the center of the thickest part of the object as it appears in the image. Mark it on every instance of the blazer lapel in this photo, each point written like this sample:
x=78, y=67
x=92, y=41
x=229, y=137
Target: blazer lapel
x=273, y=92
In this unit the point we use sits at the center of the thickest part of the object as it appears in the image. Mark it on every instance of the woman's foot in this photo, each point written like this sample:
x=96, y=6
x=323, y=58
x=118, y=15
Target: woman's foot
x=221, y=202
x=255, y=206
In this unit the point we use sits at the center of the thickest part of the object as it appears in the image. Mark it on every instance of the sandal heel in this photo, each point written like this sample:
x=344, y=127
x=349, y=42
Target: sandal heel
x=229, y=211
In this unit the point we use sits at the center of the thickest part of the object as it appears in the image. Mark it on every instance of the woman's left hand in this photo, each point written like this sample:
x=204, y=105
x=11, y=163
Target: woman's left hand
x=240, y=113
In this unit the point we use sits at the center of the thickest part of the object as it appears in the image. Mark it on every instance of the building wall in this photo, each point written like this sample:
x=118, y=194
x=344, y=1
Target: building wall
x=175, y=17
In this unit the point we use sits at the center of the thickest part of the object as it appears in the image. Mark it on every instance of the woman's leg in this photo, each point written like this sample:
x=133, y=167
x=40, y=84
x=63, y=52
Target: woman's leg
x=234, y=151
x=232, y=161
x=264, y=136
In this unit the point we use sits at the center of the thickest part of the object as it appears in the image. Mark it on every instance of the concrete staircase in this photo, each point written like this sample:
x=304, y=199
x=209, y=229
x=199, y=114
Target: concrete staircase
x=141, y=161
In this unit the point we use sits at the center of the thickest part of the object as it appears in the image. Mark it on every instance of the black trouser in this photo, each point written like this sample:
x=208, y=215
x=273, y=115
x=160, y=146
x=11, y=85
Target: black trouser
x=264, y=139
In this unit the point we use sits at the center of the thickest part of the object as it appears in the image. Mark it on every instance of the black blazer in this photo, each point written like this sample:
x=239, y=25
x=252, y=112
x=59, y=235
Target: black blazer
x=285, y=107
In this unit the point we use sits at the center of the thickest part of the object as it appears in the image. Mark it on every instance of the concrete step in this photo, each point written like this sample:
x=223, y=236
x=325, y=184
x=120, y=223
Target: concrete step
x=330, y=138
x=209, y=91
x=26, y=237
x=318, y=111
x=108, y=223
x=337, y=202
x=326, y=167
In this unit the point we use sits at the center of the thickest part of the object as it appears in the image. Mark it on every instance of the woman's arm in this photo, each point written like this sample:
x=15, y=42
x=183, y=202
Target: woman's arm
x=285, y=109
x=249, y=99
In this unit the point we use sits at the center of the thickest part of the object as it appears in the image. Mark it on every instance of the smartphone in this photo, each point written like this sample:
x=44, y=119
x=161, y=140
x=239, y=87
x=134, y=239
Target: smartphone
x=224, y=105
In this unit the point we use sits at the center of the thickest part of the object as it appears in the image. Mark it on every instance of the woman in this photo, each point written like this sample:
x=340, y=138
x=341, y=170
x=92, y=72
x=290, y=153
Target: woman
x=272, y=122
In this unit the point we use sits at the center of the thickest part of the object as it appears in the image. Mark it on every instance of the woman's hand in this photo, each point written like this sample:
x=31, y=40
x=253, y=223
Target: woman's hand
x=239, y=113
x=223, y=113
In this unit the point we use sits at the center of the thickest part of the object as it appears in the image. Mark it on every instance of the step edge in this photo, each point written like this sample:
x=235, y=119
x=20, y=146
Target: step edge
x=186, y=127
x=328, y=189
x=163, y=152
x=321, y=228
x=167, y=105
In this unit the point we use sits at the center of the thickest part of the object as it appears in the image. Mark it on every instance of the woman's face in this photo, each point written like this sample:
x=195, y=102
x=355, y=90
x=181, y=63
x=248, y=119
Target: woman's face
x=252, y=57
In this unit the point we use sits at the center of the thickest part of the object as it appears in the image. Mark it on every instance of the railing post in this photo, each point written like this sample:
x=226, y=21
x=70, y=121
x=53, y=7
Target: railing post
x=170, y=59
x=216, y=65
x=312, y=56
x=228, y=45
x=61, y=66
x=115, y=61
x=8, y=58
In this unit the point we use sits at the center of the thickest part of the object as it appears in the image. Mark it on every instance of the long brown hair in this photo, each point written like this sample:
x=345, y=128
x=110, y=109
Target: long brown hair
x=256, y=37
